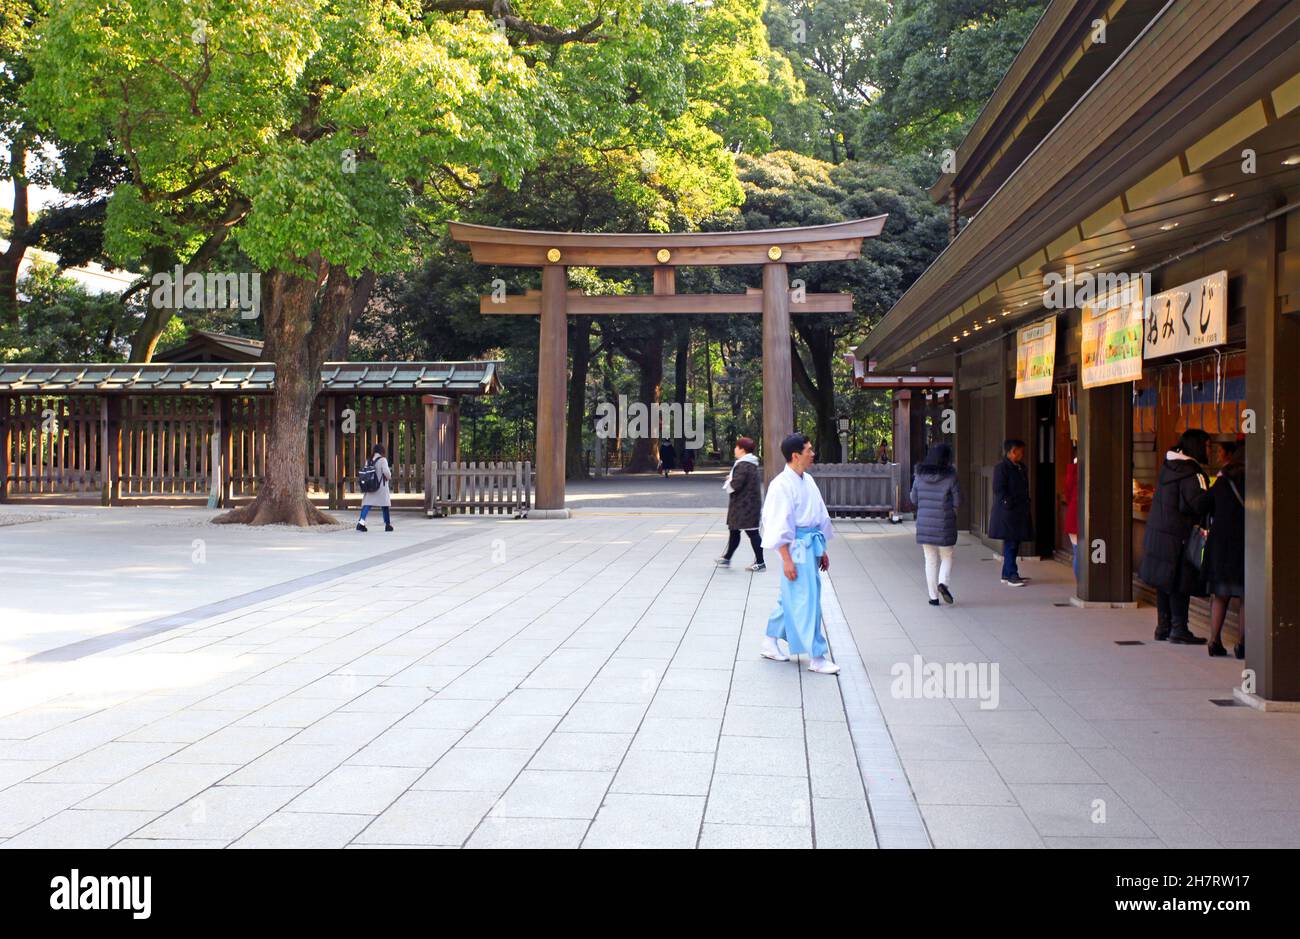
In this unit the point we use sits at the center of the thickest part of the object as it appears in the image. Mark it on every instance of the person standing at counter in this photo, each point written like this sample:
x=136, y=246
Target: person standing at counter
x=1175, y=509
x=1225, y=549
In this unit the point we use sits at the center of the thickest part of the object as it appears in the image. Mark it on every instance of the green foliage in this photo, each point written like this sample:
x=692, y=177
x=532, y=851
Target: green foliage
x=59, y=321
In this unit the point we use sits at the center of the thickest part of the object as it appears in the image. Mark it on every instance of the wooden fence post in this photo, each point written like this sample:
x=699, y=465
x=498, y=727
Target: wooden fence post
x=6, y=442
x=110, y=431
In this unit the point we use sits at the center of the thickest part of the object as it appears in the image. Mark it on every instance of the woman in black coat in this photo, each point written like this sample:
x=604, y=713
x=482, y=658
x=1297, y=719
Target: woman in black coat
x=1010, y=519
x=1225, y=550
x=745, y=503
x=1174, y=511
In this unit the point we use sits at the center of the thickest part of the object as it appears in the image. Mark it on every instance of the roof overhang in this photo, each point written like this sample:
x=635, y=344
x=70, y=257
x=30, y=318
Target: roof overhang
x=1125, y=181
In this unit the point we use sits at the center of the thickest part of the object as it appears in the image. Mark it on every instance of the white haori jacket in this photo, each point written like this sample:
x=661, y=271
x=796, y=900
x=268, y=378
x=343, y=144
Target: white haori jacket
x=793, y=502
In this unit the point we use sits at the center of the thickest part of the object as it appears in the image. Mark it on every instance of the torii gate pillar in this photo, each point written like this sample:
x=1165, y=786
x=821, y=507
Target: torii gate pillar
x=778, y=398
x=552, y=393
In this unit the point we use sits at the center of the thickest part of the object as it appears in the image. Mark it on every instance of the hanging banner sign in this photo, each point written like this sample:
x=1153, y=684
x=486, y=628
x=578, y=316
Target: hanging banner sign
x=1035, y=358
x=1188, y=318
x=1112, y=338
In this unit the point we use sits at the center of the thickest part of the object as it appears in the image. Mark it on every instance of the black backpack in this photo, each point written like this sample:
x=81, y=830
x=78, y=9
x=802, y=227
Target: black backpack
x=368, y=478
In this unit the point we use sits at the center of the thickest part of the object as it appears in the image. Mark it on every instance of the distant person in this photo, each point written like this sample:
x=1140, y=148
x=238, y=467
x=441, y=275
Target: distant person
x=884, y=452
x=1070, y=496
x=1010, y=520
x=667, y=457
x=744, y=488
x=376, y=468
x=1225, y=549
x=796, y=524
x=936, y=495
x=1175, y=509
x=688, y=460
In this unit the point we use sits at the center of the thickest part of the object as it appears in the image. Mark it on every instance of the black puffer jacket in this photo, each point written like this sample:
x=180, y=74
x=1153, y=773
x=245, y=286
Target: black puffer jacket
x=1174, y=510
x=1010, y=519
x=746, y=502
x=1225, y=551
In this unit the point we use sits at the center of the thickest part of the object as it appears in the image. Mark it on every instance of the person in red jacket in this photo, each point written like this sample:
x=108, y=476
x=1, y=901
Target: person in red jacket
x=1071, y=499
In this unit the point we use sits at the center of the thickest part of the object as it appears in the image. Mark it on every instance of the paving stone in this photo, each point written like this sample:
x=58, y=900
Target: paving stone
x=579, y=751
x=427, y=817
x=304, y=830
x=479, y=770
x=554, y=794
x=646, y=821
x=758, y=800
x=528, y=833
x=221, y=812
x=365, y=790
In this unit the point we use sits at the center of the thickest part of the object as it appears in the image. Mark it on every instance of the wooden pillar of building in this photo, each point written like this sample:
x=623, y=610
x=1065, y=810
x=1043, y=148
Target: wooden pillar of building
x=7, y=405
x=903, y=426
x=1105, y=496
x=1272, y=603
x=778, y=400
x=110, y=449
x=437, y=445
x=552, y=391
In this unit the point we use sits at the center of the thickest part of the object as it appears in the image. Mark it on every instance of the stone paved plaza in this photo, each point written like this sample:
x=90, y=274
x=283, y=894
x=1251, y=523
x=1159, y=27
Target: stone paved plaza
x=591, y=682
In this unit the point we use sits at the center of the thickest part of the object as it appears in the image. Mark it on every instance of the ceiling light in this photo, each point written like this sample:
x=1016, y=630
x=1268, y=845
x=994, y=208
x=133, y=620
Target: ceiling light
x=1025, y=303
x=1224, y=197
x=1094, y=266
x=1008, y=312
x=1292, y=160
x=1127, y=249
x=1169, y=226
x=956, y=338
x=977, y=327
x=965, y=332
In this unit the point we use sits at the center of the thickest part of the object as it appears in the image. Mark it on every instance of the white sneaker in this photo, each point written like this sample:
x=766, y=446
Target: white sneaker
x=823, y=666
x=773, y=651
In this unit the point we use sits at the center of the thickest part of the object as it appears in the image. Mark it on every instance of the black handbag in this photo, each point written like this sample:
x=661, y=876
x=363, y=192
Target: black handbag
x=1194, y=548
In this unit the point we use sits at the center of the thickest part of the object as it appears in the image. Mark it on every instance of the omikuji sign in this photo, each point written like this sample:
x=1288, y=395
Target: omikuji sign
x=1188, y=318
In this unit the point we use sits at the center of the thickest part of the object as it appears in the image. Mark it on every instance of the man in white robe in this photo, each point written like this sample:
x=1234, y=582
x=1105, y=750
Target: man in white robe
x=795, y=523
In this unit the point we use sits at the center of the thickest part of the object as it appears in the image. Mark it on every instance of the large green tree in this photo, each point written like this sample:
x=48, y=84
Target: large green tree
x=329, y=137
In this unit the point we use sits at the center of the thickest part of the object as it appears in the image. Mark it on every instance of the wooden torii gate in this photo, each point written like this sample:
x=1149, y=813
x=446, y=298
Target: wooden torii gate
x=555, y=252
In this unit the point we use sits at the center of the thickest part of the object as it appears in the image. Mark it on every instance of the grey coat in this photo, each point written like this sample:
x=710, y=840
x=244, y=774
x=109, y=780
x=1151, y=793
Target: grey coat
x=382, y=495
x=936, y=498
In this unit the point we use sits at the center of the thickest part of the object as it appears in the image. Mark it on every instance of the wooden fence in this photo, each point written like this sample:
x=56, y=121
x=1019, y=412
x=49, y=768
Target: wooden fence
x=480, y=488
x=859, y=489
x=170, y=447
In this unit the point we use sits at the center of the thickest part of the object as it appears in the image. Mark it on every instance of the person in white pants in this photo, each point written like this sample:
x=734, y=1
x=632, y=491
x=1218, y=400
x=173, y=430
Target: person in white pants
x=936, y=495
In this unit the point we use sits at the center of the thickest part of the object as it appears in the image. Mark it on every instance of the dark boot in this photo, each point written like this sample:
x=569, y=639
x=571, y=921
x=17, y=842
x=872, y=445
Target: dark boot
x=1162, y=626
x=1216, y=648
x=1180, y=634
x=1239, y=650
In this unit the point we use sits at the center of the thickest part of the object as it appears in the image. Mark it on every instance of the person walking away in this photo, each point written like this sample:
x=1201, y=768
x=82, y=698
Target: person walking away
x=381, y=496
x=744, y=488
x=1225, y=549
x=1071, y=499
x=688, y=460
x=936, y=495
x=667, y=458
x=1011, y=521
x=1174, y=511
x=795, y=523
x=883, y=455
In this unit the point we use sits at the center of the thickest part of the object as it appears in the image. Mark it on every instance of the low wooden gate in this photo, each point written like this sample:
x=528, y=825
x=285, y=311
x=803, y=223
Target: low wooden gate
x=859, y=489
x=480, y=489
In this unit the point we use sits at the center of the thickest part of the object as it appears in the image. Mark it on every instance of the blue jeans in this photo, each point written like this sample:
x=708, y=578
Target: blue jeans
x=1009, y=551
x=365, y=510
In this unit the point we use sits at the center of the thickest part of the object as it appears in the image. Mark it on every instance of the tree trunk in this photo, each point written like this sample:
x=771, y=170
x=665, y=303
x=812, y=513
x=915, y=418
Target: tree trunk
x=580, y=343
x=708, y=381
x=11, y=260
x=301, y=341
x=360, y=300
x=650, y=361
x=820, y=392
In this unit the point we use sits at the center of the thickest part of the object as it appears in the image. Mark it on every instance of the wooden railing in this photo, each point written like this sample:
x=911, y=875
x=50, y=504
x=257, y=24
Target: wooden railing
x=859, y=489
x=480, y=489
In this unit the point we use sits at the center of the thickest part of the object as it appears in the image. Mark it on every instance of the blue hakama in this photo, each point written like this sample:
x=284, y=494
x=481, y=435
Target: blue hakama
x=797, y=617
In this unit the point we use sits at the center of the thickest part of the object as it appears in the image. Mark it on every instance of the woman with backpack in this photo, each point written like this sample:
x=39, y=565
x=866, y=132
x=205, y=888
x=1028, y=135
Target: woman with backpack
x=1174, y=513
x=379, y=496
x=1225, y=549
x=936, y=495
